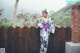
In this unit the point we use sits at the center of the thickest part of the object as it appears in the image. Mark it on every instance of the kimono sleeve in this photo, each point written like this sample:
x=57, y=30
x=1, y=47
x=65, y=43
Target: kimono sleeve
x=52, y=26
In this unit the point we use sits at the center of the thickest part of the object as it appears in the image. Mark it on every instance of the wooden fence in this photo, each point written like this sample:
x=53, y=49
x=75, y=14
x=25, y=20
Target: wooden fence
x=27, y=40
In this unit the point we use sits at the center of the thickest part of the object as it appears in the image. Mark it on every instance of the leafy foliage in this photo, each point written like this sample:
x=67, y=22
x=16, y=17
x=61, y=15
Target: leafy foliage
x=26, y=19
x=63, y=16
x=4, y=22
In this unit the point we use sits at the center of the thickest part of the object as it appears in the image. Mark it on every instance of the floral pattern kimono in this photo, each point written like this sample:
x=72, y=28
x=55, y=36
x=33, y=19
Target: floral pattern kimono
x=46, y=28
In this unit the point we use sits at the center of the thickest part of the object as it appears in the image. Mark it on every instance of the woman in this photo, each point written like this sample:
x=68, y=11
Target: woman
x=47, y=27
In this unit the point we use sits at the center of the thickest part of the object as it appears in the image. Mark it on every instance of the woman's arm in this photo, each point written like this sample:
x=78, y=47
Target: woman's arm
x=40, y=22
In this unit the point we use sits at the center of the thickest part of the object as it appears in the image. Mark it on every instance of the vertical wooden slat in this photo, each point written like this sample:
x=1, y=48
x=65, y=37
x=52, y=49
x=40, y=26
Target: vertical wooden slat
x=18, y=40
x=51, y=43
x=25, y=39
x=10, y=39
x=38, y=40
x=68, y=34
x=56, y=39
x=33, y=40
x=1, y=38
x=62, y=41
x=4, y=38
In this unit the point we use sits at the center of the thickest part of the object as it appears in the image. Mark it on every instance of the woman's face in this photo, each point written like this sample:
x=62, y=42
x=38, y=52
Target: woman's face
x=44, y=15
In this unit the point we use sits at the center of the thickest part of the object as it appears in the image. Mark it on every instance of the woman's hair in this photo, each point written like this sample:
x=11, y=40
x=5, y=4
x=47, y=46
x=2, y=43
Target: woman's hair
x=44, y=12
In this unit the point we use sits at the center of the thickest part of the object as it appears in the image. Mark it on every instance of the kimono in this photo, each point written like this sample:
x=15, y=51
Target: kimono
x=46, y=28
